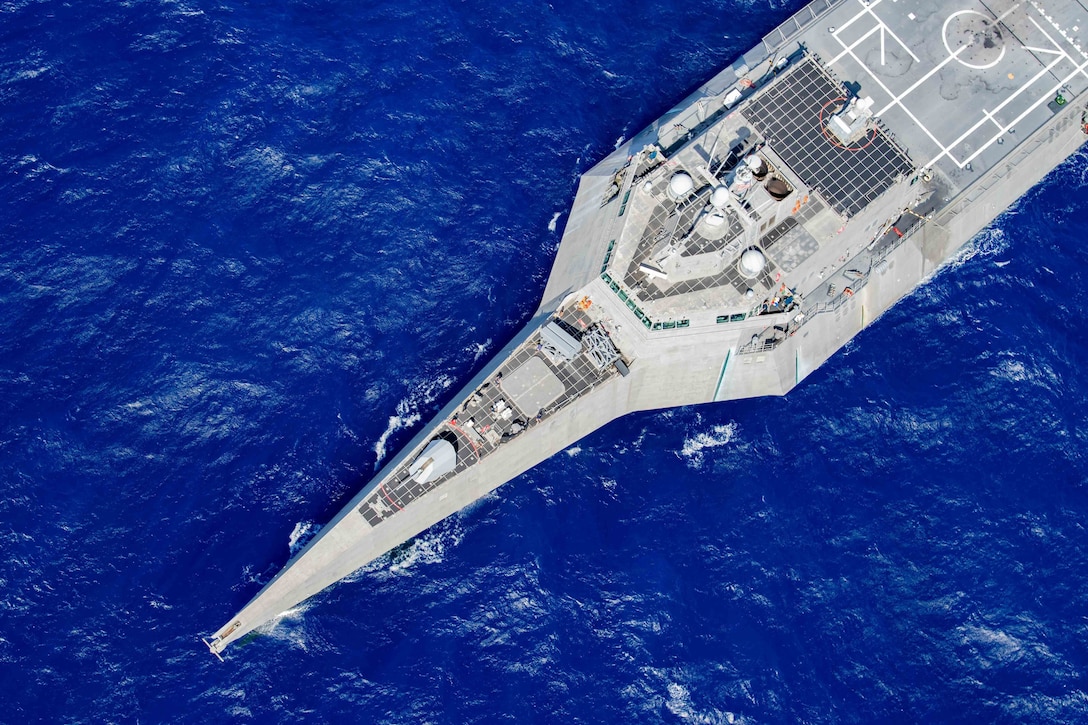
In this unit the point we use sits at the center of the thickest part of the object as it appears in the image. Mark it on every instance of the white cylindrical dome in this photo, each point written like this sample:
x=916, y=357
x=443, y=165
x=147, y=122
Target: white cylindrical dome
x=752, y=262
x=719, y=197
x=680, y=185
x=755, y=163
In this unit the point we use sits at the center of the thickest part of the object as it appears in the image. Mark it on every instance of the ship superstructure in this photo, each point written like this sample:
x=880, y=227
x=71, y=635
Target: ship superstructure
x=733, y=246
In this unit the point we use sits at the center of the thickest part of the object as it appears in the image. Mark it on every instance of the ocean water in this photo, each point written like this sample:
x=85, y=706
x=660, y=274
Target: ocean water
x=246, y=249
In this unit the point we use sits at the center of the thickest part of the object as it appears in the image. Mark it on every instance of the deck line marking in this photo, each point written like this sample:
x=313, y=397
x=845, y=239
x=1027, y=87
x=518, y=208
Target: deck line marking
x=988, y=116
x=1001, y=105
x=381, y=488
x=1001, y=18
x=944, y=150
x=1004, y=129
x=885, y=29
x=1007, y=101
x=1043, y=99
x=934, y=71
x=1056, y=27
x=851, y=21
x=1040, y=27
x=1047, y=51
x=475, y=448
x=853, y=45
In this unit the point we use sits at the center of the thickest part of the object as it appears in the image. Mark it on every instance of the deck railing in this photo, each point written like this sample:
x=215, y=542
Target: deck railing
x=798, y=24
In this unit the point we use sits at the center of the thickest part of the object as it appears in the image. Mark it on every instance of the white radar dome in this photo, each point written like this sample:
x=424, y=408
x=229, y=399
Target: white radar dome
x=719, y=197
x=752, y=262
x=680, y=185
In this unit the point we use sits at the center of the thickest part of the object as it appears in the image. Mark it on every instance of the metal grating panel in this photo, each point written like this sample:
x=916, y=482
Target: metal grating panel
x=787, y=115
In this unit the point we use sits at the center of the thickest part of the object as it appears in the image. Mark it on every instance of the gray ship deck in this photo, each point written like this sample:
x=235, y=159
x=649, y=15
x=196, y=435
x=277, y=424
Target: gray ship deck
x=479, y=427
x=880, y=137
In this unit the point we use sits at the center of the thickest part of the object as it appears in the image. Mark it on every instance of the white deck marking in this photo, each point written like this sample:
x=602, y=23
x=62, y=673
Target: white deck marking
x=944, y=39
x=867, y=9
x=906, y=110
x=1060, y=54
x=1007, y=13
x=1048, y=51
x=1056, y=44
x=1056, y=27
x=1041, y=30
x=853, y=45
x=848, y=23
x=1043, y=99
x=988, y=115
x=885, y=29
x=1012, y=97
x=936, y=69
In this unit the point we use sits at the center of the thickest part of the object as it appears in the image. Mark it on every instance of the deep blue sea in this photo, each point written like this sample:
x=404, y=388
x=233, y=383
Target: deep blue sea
x=248, y=249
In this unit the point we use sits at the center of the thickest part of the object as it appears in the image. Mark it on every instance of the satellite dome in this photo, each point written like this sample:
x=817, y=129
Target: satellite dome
x=719, y=197
x=680, y=185
x=752, y=262
x=757, y=165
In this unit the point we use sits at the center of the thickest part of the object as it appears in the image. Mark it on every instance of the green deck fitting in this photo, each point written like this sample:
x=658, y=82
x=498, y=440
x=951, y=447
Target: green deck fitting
x=723, y=318
x=668, y=325
x=739, y=317
x=721, y=377
x=623, y=295
x=623, y=204
x=646, y=321
x=606, y=277
x=614, y=287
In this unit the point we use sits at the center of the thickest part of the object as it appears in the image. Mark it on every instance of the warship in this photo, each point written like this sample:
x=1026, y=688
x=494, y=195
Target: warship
x=735, y=244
